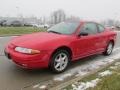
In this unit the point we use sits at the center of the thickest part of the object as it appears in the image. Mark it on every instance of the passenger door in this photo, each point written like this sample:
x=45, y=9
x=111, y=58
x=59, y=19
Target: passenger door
x=86, y=44
x=101, y=39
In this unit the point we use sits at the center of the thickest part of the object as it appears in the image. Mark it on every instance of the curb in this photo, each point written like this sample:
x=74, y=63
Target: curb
x=67, y=83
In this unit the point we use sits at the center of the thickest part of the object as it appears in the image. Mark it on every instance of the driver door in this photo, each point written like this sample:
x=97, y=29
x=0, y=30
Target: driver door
x=86, y=41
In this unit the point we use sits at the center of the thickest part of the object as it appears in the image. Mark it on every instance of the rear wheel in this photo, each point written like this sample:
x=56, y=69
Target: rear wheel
x=60, y=61
x=109, y=49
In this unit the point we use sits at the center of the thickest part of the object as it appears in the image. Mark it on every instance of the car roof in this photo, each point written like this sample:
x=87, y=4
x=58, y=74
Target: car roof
x=79, y=21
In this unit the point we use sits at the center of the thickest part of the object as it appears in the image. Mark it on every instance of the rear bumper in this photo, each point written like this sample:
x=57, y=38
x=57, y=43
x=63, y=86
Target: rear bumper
x=28, y=61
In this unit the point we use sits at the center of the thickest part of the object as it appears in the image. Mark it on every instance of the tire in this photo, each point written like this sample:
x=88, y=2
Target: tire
x=108, y=49
x=60, y=61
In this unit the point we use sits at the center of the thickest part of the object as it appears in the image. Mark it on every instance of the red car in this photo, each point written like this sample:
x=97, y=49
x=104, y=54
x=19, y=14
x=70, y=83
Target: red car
x=65, y=42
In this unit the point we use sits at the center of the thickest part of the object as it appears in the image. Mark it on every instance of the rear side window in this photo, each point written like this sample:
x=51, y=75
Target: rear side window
x=100, y=28
x=90, y=28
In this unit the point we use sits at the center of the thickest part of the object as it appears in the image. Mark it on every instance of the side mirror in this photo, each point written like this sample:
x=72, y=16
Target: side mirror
x=83, y=34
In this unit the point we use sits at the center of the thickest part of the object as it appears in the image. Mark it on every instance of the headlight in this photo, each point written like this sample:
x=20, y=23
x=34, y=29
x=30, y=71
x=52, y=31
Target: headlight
x=26, y=50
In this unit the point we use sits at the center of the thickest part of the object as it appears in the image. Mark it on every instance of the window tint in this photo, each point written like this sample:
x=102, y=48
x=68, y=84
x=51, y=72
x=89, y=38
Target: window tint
x=90, y=28
x=100, y=28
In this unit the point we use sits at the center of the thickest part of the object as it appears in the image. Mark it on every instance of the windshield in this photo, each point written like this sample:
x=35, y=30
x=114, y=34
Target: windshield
x=64, y=28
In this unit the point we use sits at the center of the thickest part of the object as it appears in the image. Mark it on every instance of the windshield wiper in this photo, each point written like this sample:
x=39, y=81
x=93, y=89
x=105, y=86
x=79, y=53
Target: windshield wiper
x=54, y=32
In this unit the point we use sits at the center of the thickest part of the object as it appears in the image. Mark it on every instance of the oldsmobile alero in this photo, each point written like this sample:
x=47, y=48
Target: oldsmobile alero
x=64, y=42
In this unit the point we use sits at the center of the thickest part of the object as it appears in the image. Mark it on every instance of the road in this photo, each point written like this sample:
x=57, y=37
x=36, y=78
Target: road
x=15, y=78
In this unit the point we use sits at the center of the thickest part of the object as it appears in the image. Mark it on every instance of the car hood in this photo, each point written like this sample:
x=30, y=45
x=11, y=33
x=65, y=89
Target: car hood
x=31, y=40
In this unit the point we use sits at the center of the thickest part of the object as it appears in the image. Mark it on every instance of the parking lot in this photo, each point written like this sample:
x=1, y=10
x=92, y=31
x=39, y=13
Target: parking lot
x=15, y=78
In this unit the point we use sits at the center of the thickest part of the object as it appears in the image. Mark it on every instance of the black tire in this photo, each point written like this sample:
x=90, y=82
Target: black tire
x=106, y=53
x=53, y=58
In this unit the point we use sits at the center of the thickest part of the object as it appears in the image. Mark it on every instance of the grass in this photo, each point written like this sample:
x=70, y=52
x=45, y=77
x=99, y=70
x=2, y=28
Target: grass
x=19, y=30
x=110, y=82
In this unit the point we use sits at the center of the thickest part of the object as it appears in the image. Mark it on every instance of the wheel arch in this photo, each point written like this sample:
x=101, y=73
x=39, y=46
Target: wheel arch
x=111, y=40
x=68, y=49
x=55, y=50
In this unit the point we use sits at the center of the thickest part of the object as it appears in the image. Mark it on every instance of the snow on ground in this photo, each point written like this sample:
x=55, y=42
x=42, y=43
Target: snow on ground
x=40, y=87
x=84, y=86
x=86, y=68
x=81, y=73
x=43, y=87
x=62, y=77
x=117, y=63
x=113, y=67
x=105, y=73
x=35, y=86
x=89, y=66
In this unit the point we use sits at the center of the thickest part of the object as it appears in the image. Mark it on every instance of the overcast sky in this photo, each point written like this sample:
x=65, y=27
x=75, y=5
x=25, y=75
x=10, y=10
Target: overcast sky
x=95, y=9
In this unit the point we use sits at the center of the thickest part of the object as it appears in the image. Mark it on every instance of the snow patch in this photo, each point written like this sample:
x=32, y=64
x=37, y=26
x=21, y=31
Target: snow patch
x=62, y=77
x=35, y=86
x=43, y=87
x=113, y=67
x=84, y=86
x=117, y=63
x=105, y=73
x=117, y=56
x=81, y=73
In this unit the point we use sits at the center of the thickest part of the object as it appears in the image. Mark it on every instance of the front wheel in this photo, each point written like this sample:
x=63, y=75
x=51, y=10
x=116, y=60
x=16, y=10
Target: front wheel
x=109, y=49
x=60, y=61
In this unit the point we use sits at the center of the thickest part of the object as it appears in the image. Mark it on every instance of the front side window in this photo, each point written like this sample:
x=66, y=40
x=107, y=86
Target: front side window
x=100, y=28
x=64, y=28
x=89, y=28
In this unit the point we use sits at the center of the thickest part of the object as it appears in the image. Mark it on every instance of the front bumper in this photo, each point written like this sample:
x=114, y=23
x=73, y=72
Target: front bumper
x=28, y=61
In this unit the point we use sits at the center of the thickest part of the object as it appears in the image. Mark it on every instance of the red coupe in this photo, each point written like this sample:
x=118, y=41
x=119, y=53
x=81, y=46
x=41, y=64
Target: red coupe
x=65, y=42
